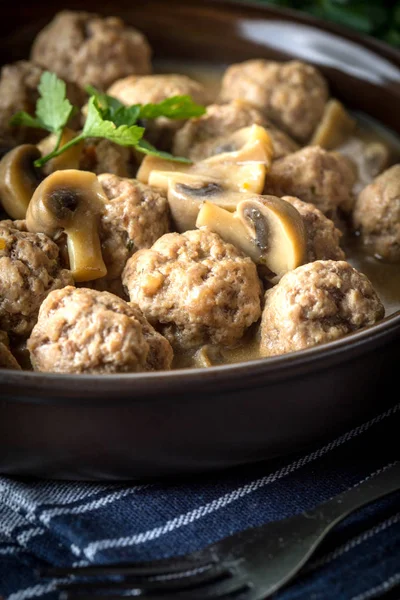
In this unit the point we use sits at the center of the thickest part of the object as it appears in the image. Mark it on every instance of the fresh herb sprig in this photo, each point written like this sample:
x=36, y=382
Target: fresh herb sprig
x=106, y=118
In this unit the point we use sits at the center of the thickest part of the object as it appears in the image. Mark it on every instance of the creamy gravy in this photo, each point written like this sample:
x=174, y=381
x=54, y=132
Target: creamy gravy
x=385, y=277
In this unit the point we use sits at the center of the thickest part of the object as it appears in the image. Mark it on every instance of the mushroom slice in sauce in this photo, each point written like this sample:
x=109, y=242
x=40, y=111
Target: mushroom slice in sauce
x=71, y=201
x=243, y=169
x=68, y=160
x=266, y=228
x=187, y=192
x=18, y=179
x=335, y=126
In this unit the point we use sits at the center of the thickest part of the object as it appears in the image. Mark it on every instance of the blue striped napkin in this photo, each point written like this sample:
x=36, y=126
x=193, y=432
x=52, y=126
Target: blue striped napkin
x=44, y=523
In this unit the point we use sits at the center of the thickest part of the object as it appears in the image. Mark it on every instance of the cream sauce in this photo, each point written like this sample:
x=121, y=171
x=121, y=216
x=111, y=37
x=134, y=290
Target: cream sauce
x=385, y=277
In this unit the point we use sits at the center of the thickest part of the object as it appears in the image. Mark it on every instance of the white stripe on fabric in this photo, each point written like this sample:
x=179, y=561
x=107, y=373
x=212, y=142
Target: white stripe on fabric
x=47, y=515
x=185, y=519
x=45, y=518
x=353, y=543
x=38, y=590
x=24, y=537
x=30, y=496
x=9, y=550
x=386, y=586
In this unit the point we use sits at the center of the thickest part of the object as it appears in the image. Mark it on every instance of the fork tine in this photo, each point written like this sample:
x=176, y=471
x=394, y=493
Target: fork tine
x=158, y=569
x=183, y=582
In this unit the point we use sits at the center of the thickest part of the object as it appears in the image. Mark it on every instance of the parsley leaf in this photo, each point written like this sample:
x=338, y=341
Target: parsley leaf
x=176, y=107
x=106, y=118
x=147, y=148
x=53, y=108
x=97, y=126
x=22, y=118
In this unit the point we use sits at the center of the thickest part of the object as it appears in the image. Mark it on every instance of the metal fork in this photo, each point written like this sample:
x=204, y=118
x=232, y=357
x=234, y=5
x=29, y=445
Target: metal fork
x=250, y=565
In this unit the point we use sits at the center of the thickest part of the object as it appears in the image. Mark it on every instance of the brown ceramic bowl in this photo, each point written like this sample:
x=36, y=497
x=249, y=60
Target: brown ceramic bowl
x=147, y=425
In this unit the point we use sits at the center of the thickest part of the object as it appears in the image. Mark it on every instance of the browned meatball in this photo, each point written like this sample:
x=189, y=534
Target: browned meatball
x=323, y=238
x=317, y=303
x=195, y=288
x=88, y=49
x=85, y=331
x=377, y=215
x=7, y=360
x=18, y=91
x=29, y=271
x=135, y=217
x=292, y=94
x=103, y=156
x=203, y=137
x=154, y=89
x=314, y=175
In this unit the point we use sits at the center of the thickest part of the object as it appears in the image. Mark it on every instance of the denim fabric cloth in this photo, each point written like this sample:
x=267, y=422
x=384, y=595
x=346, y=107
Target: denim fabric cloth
x=48, y=523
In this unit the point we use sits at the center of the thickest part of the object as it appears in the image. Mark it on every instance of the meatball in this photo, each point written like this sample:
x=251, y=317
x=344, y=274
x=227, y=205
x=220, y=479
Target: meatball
x=317, y=303
x=323, y=238
x=104, y=156
x=7, y=360
x=377, y=215
x=314, y=175
x=85, y=331
x=135, y=217
x=154, y=89
x=203, y=137
x=292, y=94
x=18, y=91
x=29, y=271
x=88, y=49
x=195, y=288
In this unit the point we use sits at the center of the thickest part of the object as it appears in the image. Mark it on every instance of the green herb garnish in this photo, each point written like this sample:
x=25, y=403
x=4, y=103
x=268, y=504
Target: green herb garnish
x=106, y=118
x=53, y=109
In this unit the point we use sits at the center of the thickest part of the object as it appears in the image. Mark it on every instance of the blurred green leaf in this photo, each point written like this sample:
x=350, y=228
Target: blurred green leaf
x=380, y=18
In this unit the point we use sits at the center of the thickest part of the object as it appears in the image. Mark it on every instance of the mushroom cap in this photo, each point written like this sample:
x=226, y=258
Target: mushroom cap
x=18, y=179
x=72, y=201
x=266, y=228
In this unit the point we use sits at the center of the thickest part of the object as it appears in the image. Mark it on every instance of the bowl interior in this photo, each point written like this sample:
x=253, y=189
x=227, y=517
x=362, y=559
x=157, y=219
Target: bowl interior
x=363, y=73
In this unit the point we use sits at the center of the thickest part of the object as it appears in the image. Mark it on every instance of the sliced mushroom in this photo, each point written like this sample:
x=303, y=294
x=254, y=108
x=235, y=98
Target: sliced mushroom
x=335, y=126
x=71, y=201
x=68, y=160
x=266, y=228
x=186, y=194
x=155, y=163
x=18, y=179
x=243, y=169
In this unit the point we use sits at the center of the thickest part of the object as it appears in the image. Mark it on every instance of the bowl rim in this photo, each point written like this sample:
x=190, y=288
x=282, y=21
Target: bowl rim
x=299, y=16
x=150, y=384
x=28, y=385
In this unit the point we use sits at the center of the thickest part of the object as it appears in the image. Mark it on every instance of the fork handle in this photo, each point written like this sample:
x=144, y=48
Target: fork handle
x=338, y=508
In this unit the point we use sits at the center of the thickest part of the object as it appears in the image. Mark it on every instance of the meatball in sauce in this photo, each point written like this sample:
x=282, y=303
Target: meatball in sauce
x=274, y=230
